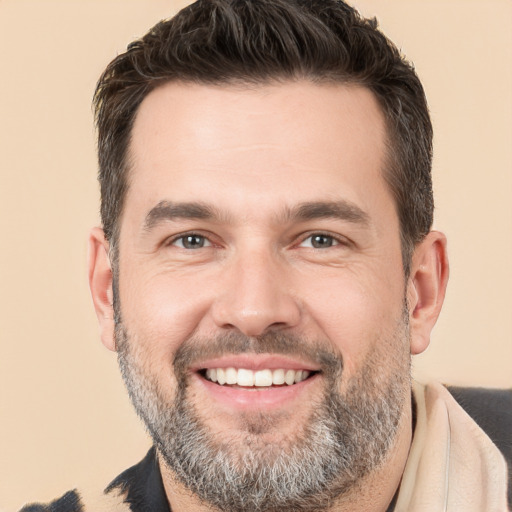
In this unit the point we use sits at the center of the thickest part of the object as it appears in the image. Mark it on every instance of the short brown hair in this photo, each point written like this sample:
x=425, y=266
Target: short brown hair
x=261, y=41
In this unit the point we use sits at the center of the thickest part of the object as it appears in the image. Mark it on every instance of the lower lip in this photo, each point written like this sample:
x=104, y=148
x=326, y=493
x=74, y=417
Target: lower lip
x=256, y=397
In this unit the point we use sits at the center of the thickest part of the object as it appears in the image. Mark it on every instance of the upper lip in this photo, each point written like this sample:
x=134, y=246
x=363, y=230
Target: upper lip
x=257, y=362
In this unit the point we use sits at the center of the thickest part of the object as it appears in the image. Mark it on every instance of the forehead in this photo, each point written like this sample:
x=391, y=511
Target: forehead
x=279, y=143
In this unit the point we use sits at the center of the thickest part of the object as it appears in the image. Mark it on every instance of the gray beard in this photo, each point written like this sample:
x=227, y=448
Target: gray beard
x=347, y=436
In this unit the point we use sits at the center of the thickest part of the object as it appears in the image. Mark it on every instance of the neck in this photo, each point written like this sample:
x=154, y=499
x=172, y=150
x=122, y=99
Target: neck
x=373, y=494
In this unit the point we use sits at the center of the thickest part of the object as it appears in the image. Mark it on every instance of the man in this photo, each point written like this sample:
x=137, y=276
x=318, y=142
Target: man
x=266, y=267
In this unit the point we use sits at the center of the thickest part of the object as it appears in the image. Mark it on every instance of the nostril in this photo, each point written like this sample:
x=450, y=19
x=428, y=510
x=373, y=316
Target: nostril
x=255, y=310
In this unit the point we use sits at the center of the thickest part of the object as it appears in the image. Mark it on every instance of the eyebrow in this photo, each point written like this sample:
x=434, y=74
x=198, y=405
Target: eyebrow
x=169, y=211
x=339, y=210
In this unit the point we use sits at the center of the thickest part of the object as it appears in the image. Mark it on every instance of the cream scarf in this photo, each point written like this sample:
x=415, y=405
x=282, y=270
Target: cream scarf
x=452, y=466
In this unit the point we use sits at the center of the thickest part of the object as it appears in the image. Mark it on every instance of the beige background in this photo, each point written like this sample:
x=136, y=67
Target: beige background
x=65, y=420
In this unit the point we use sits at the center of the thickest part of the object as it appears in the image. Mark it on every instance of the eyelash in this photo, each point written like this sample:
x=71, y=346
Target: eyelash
x=336, y=240
x=183, y=236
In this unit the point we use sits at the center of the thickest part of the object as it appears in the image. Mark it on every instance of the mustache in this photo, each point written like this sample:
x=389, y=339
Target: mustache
x=196, y=349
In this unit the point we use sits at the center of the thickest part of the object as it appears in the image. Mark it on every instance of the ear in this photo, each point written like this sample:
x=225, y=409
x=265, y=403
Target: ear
x=100, y=283
x=426, y=288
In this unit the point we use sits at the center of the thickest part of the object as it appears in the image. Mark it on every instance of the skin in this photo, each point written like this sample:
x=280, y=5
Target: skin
x=254, y=155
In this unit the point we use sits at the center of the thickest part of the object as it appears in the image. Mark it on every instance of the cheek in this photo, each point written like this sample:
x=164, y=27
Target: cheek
x=354, y=311
x=162, y=310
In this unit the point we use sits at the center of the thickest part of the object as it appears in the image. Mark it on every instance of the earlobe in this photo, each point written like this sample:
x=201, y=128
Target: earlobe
x=426, y=288
x=100, y=283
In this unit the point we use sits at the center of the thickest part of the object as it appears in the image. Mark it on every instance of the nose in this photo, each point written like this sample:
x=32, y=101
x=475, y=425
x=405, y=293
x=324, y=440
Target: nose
x=255, y=295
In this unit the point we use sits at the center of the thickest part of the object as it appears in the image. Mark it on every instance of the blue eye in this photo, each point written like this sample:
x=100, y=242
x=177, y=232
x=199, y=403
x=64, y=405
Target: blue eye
x=192, y=241
x=319, y=241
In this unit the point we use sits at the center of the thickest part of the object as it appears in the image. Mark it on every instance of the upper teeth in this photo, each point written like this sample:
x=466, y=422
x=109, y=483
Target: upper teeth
x=260, y=378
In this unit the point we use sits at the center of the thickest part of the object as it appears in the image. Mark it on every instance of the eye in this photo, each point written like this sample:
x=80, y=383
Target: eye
x=191, y=241
x=319, y=241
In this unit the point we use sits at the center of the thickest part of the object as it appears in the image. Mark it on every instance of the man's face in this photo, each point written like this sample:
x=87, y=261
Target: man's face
x=259, y=245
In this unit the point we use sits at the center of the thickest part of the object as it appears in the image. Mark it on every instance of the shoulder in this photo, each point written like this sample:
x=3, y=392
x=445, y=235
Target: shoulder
x=69, y=502
x=491, y=409
x=84, y=500
x=137, y=489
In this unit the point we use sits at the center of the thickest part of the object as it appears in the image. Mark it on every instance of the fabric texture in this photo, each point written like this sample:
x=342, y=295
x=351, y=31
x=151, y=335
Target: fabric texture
x=453, y=465
x=492, y=411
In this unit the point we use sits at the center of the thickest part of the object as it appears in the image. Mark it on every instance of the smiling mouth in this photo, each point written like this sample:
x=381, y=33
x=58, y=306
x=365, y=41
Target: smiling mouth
x=265, y=378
